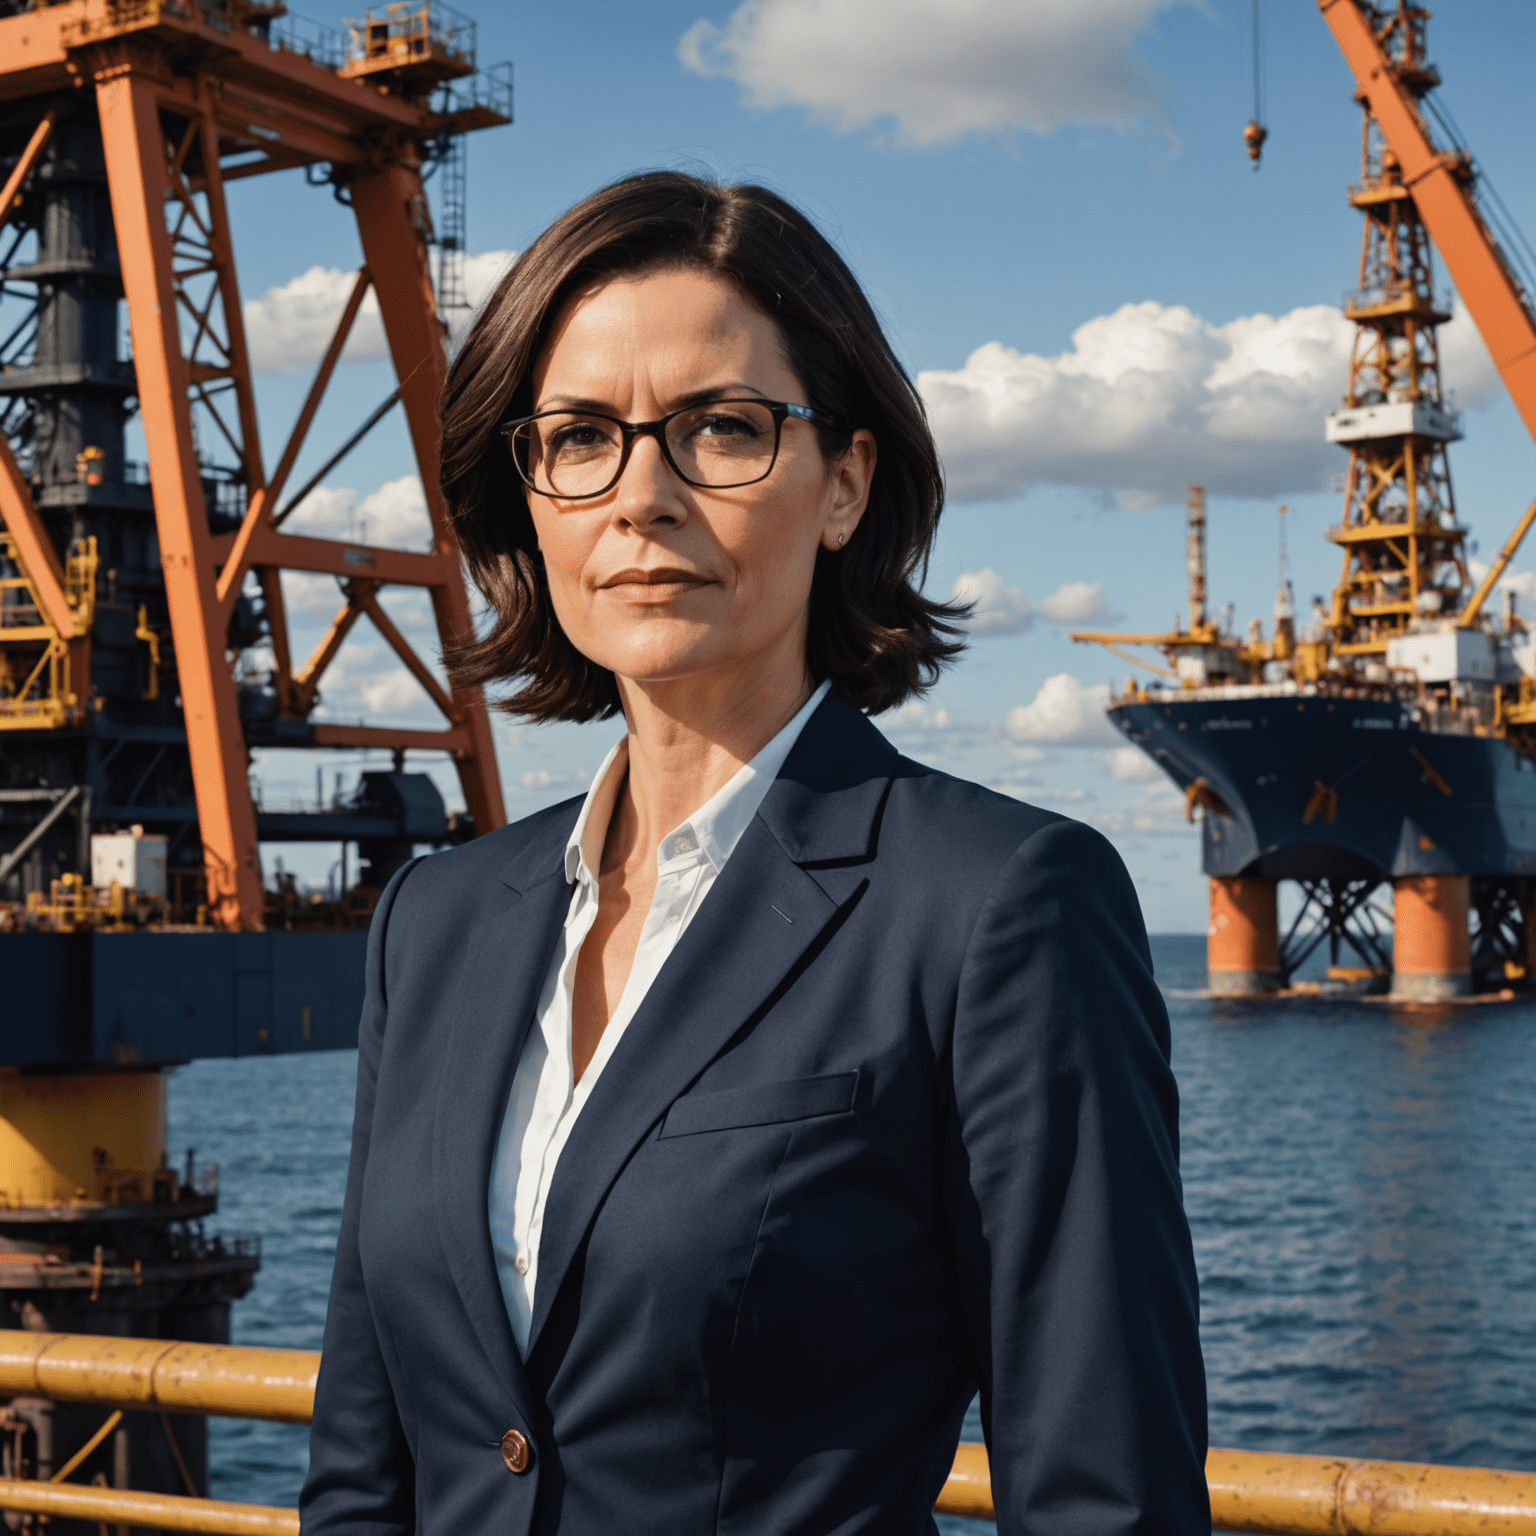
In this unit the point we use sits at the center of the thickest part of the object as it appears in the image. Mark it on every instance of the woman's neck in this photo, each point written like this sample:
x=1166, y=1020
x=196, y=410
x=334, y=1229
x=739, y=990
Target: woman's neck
x=686, y=742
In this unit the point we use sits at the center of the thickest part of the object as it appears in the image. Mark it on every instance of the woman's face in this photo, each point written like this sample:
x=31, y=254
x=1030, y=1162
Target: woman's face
x=657, y=580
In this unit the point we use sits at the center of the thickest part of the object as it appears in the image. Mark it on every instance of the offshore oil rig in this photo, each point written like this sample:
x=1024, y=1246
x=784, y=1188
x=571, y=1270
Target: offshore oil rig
x=1392, y=742
x=144, y=643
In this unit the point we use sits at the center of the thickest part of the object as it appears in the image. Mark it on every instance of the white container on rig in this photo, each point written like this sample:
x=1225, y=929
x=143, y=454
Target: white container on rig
x=130, y=859
x=1446, y=656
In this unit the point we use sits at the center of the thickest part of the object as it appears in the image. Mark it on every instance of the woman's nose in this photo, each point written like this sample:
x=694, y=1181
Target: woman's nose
x=649, y=492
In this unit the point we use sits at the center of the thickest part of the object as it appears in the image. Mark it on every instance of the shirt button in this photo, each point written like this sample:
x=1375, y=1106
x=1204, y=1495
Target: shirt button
x=683, y=844
x=516, y=1451
x=520, y=1264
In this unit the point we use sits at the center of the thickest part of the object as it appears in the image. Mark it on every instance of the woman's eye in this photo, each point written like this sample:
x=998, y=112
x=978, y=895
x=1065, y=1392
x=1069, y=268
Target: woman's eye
x=724, y=424
x=579, y=437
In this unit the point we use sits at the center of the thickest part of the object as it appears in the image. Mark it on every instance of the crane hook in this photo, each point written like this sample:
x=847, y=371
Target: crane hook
x=1254, y=135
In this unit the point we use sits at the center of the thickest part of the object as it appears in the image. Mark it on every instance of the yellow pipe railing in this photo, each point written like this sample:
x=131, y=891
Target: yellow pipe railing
x=157, y=1373
x=1255, y=1491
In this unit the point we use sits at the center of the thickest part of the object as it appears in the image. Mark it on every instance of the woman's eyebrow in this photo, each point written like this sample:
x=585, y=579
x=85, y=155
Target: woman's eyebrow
x=682, y=402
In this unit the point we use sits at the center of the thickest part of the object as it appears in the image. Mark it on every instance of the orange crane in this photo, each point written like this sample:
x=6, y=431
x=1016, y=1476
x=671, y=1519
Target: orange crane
x=160, y=105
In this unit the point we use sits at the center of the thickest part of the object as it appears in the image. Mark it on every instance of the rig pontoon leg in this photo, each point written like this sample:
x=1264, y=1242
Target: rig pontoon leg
x=1431, y=943
x=1243, y=948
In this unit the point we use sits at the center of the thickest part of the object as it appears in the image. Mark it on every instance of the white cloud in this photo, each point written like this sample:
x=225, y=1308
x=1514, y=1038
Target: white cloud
x=1149, y=399
x=940, y=72
x=1466, y=369
x=1162, y=812
x=1130, y=765
x=395, y=515
x=289, y=327
x=1078, y=602
x=998, y=609
x=1065, y=712
x=542, y=778
x=919, y=723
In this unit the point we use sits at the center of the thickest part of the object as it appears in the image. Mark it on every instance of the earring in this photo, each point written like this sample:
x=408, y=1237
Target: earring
x=840, y=539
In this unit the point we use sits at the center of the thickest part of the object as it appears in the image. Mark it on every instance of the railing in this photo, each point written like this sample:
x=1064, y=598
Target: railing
x=1250, y=1490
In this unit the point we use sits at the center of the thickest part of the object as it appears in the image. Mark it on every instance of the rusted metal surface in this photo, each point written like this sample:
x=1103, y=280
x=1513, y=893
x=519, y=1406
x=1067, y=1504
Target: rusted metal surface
x=1320, y=1495
x=1432, y=946
x=146, y=1511
x=1243, y=941
x=1335, y=1496
x=222, y=1379
x=1250, y=1490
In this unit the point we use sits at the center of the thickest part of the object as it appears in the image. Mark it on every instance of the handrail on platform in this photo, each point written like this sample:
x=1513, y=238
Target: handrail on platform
x=1256, y=1491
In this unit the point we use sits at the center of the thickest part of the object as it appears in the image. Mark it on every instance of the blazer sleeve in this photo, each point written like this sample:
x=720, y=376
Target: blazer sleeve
x=1073, y=1256
x=361, y=1473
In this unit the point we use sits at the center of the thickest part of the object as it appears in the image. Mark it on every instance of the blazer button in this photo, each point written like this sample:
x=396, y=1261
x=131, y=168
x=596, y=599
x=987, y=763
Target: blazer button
x=516, y=1451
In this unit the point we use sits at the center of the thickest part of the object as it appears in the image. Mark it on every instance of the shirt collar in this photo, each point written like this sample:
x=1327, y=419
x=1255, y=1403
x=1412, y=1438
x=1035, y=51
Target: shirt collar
x=713, y=830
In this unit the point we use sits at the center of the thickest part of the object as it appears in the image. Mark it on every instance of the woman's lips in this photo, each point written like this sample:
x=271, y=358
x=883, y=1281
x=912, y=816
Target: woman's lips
x=657, y=586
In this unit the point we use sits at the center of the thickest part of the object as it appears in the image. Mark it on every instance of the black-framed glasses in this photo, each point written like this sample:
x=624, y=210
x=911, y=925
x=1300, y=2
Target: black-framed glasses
x=720, y=444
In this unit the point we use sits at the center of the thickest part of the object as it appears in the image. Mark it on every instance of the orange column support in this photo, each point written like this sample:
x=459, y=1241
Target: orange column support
x=1243, y=942
x=1432, y=938
x=392, y=220
x=137, y=179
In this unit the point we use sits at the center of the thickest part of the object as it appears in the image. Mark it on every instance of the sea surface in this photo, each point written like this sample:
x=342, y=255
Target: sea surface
x=1360, y=1181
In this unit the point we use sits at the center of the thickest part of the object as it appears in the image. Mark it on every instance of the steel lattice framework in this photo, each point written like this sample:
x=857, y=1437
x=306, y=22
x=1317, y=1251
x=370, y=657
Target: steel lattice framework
x=160, y=104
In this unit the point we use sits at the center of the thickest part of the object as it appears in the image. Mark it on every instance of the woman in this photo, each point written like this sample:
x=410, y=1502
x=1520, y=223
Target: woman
x=720, y=1133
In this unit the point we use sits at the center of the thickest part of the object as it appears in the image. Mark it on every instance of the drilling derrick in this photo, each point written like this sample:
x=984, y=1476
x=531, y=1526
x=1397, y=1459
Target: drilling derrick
x=145, y=649
x=1390, y=746
x=1404, y=555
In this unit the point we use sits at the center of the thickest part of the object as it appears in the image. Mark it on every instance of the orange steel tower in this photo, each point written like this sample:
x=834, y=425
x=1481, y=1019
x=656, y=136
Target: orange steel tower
x=144, y=644
x=1403, y=548
x=158, y=608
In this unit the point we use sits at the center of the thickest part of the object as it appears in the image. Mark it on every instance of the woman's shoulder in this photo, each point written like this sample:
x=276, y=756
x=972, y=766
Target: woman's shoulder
x=515, y=855
x=963, y=822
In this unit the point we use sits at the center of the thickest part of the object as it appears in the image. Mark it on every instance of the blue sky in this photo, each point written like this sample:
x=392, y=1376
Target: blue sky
x=1051, y=208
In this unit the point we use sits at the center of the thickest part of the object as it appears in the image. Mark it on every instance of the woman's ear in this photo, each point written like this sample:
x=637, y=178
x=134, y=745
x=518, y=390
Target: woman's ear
x=852, y=476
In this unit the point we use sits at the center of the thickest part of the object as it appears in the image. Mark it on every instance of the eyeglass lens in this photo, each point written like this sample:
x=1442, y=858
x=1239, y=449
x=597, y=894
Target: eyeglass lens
x=719, y=444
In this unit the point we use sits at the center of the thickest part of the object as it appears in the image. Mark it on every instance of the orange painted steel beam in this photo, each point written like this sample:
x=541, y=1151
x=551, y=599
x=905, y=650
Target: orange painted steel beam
x=457, y=741
x=1243, y=940
x=392, y=221
x=333, y=557
x=23, y=167
x=306, y=681
x=138, y=182
x=1446, y=206
x=38, y=555
x=36, y=48
x=262, y=502
x=366, y=597
x=17, y=512
x=1431, y=937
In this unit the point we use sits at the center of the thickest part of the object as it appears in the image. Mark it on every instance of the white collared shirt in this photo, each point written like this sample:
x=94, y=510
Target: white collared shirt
x=544, y=1102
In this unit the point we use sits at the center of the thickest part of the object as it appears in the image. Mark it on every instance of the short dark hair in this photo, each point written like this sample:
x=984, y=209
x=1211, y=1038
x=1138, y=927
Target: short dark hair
x=871, y=630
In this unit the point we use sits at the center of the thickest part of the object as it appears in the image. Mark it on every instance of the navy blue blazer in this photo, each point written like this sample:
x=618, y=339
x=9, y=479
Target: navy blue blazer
x=895, y=1122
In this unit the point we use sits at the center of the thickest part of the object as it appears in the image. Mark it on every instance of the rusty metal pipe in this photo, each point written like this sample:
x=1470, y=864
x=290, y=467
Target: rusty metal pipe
x=1250, y=1490
x=146, y=1511
x=1320, y=1495
x=157, y=1373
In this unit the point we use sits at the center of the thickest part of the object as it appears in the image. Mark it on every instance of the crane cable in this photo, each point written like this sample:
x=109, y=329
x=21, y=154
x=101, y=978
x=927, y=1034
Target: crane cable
x=1255, y=133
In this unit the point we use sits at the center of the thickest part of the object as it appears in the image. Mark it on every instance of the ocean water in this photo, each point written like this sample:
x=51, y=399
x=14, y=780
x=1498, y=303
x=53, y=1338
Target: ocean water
x=1359, y=1181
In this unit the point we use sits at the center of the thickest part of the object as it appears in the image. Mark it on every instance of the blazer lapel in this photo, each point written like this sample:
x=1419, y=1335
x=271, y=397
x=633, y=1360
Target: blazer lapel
x=760, y=922
x=492, y=1010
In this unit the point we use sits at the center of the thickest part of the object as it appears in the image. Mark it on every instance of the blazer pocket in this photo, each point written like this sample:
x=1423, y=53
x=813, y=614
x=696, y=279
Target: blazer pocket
x=798, y=1098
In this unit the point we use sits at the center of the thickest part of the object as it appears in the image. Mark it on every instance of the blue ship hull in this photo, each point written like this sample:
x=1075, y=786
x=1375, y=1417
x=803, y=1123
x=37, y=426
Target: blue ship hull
x=1404, y=801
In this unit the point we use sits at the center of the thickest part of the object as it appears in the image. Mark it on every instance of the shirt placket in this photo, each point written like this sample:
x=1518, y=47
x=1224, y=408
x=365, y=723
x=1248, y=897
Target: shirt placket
x=550, y=1113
